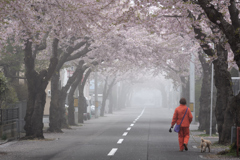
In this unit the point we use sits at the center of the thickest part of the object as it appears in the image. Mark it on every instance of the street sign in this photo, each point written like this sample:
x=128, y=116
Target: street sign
x=96, y=104
x=191, y=106
x=75, y=102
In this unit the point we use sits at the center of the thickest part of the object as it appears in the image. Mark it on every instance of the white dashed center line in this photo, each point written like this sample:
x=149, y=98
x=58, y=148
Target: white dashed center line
x=120, y=141
x=112, y=152
x=125, y=133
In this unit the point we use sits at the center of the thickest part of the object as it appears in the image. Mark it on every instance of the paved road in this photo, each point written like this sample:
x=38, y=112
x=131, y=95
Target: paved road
x=131, y=134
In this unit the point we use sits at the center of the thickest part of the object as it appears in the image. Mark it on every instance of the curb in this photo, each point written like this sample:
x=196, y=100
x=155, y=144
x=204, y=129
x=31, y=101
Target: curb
x=1, y=143
x=8, y=140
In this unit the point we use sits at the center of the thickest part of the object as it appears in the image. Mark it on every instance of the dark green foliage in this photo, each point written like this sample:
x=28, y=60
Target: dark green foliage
x=3, y=85
x=4, y=137
x=7, y=92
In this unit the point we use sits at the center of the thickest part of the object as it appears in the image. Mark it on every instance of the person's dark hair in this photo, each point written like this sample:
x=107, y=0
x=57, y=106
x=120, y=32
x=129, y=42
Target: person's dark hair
x=183, y=101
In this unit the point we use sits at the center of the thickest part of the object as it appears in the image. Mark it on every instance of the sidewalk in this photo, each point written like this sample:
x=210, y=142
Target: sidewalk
x=3, y=141
x=195, y=141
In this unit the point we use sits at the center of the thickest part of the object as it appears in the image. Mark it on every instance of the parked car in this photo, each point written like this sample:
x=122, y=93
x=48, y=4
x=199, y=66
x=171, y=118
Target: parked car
x=87, y=114
x=92, y=110
x=66, y=109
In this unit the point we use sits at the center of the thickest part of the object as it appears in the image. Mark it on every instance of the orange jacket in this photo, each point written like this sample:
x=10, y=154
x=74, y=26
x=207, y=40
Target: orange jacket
x=178, y=115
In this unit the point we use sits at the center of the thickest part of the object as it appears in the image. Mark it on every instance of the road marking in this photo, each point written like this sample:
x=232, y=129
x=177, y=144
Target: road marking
x=194, y=146
x=125, y=133
x=128, y=129
x=120, y=141
x=132, y=125
x=112, y=152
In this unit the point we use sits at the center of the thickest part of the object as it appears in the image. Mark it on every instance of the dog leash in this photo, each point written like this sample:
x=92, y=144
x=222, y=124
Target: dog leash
x=193, y=137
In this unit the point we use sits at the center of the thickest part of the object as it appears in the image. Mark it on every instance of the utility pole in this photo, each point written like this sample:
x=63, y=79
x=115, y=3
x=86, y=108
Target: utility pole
x=211, y=102
x=96, y=94
x=192, y=86
x=210, y=132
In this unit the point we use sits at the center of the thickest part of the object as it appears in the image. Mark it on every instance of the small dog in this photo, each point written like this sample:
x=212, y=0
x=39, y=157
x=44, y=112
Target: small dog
x=205, y=144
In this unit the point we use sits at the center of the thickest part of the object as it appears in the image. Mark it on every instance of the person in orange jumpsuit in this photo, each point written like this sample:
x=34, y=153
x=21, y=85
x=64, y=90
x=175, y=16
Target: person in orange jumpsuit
x=183, y=134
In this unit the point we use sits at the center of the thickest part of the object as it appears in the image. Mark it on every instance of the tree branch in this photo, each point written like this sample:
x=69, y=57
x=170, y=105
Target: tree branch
x=41, y=46
x=80, y=53
x=53, y=60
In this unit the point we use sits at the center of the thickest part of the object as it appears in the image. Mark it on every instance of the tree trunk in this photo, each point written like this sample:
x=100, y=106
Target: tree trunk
x=55, y=108
x=70, y=96
x=71, y=109
x=81, y=108
x=161, y=88
x=110, y=102
x=58, y=98
x=57, y=115
x=122, y=98
x=34, y=114
x=115, y=98
x=224, y=90
x=63, y=94
x=82, y=105
x=104, y=98
x=129, y=98
x=37, y=83
x=126, y=93
x=106, y=92
x=235, y=109
x=205, y=97
x=63, y=116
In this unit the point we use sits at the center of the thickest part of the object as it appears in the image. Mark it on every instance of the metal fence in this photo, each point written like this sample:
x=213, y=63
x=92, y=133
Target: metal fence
x=9, y=115
x=13, y=115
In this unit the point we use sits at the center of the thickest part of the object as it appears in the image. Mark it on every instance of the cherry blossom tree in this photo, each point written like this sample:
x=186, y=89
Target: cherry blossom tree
x=32, y=23
x=70, y=54
x=225, y=17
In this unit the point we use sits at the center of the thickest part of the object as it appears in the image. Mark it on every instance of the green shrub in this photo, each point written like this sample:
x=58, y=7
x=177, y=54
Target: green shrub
x=4, y=137
x=7, y=92
x=3, y=85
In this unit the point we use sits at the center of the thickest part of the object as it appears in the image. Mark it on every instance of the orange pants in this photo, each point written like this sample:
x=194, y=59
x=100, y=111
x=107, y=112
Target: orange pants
x=183, y=136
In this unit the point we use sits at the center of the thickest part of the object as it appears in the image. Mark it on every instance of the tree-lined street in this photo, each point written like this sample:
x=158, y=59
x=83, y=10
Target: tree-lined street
x=64, y=61
x=135, y=133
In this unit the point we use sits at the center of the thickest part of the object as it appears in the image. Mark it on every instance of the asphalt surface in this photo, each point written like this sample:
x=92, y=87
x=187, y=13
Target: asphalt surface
x=130, y=134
